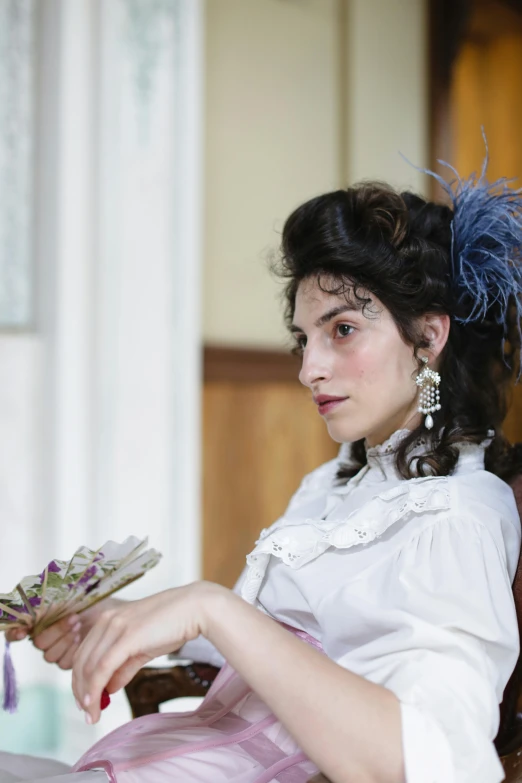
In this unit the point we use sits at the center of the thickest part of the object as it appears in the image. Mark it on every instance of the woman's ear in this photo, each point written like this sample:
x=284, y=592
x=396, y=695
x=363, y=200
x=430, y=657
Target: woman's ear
x=436, y=328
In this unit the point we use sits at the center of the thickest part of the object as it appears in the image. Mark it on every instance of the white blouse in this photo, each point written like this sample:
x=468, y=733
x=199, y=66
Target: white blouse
x=406, y=583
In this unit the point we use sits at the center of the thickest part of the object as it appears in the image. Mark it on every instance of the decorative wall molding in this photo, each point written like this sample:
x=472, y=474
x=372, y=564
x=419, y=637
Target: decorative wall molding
x=17, y=57
x=151, y=29
x=249, y=365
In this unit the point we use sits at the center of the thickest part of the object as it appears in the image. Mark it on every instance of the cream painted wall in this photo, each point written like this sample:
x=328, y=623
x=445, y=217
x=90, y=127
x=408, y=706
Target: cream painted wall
x=302, y=96
x=272, y=125
x=387, y=91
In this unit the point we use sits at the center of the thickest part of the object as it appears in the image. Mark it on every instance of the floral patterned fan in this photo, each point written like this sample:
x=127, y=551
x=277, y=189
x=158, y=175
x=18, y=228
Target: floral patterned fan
x=67, y=587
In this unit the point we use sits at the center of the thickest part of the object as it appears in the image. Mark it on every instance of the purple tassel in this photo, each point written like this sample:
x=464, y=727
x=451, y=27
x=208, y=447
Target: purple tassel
x=10, y=689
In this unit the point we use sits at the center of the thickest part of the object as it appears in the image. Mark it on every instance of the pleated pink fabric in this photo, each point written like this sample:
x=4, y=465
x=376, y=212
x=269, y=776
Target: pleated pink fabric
x=232, y=737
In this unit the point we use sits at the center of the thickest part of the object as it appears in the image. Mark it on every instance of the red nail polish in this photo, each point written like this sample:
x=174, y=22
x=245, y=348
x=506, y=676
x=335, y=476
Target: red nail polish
x=105, y=699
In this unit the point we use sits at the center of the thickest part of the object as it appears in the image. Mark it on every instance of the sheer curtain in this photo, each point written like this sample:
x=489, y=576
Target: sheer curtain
x=99, y=400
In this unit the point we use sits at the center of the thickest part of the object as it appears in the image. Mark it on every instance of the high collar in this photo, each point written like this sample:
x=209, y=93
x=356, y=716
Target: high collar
x=384, y=453
x=381, y=459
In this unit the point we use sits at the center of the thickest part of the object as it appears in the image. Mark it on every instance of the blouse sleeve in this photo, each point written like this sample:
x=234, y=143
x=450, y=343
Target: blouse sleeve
x=444, y=640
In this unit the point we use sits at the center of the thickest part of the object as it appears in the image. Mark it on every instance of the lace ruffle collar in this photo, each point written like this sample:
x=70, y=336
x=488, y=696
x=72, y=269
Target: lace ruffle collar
x=298, y=541
x=386, y=450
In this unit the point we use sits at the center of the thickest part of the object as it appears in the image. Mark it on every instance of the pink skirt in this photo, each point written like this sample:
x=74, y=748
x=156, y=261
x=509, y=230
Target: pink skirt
x=232, y=737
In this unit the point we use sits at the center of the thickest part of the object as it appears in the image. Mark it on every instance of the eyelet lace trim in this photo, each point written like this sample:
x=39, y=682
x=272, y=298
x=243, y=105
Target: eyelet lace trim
x=298, y=541
x=390, y=445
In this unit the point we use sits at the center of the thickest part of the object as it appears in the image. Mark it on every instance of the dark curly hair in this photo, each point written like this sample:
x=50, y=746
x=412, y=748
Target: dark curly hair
x=370, y=239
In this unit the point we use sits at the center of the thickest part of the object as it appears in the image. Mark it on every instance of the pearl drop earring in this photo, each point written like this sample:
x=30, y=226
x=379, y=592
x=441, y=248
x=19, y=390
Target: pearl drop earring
x=429, y=399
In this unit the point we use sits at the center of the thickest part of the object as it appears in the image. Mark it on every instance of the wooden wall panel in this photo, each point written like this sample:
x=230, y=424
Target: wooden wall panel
x=259, y=440
x=484, y=90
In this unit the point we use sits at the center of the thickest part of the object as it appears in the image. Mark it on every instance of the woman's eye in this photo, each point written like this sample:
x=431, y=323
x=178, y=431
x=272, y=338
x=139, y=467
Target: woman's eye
x=344, y=330
x=299, y=345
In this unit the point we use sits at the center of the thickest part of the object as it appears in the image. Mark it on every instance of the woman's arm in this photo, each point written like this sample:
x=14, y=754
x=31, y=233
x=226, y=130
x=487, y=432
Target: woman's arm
x=349, y=727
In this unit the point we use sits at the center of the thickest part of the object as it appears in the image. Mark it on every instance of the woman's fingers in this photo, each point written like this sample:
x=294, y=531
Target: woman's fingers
x=16, y=634
x=88, y=688
x=45, y=640
x=105, y=630
x=67, y=660
x=124, y=638
x=125, y=673
x=92, y=664
x=57, y=652
x=64, y=632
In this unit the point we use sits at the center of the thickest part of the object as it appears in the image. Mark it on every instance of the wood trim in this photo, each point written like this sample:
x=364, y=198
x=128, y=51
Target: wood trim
x=248, y=365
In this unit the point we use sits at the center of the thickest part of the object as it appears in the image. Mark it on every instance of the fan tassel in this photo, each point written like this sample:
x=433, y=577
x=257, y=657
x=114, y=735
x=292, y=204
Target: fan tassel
x=10, y=688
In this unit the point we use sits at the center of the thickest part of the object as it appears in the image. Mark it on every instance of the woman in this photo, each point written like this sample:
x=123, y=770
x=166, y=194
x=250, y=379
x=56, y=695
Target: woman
x=393, y=561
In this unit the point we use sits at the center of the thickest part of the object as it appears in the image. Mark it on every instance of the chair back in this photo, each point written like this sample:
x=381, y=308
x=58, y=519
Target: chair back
x=509, y=737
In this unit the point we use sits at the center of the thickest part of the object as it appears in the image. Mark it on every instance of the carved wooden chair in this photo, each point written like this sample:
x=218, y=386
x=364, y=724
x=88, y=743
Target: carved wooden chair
x=151, y=687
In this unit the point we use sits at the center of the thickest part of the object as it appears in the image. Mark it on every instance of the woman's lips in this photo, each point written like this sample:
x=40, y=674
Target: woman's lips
x=325, y=405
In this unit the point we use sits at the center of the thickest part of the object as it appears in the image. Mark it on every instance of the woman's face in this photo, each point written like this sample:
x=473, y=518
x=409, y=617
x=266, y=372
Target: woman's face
x=360, y=359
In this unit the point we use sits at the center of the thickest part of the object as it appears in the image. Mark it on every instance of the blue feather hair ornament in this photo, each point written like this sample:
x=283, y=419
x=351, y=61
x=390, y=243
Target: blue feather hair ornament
x=486, y=247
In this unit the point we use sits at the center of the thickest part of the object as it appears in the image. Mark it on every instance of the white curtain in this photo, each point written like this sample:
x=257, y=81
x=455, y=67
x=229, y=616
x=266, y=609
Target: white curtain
x=99, y=402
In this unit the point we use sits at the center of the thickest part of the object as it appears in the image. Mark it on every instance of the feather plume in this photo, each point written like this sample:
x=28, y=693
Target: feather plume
x=486, y=252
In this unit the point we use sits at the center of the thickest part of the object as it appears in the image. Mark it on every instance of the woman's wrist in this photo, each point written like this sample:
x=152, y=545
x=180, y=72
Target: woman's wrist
x=213, y=606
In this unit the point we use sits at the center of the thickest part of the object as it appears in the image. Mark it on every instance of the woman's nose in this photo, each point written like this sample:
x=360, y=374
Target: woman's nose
x=314, y=368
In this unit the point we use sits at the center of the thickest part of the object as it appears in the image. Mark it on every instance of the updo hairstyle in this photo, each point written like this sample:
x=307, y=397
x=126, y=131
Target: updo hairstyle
x=397, y=246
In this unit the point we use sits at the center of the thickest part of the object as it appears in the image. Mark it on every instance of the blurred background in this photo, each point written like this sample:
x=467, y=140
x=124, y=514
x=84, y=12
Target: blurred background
x=150, y=151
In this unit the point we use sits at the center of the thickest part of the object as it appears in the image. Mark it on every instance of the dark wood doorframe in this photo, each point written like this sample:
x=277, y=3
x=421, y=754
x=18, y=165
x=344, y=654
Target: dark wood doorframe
x=451, y=24
x=448, y=22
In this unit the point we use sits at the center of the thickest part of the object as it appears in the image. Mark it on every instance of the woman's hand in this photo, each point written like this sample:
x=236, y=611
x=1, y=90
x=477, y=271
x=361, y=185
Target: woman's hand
x=61, y=640
x=125, y=638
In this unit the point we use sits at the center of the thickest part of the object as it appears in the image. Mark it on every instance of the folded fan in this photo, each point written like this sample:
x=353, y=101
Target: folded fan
x=67, y=587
